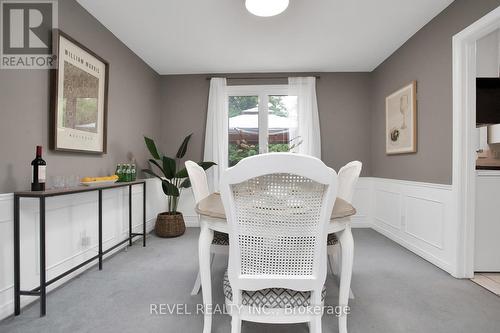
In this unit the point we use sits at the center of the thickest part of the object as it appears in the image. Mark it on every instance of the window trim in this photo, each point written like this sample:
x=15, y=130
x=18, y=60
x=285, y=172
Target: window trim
x=263, y=92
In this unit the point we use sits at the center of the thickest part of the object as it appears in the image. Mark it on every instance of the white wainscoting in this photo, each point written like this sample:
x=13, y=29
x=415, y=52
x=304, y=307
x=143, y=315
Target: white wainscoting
x=69, y=219
x=363, y=201
x=186, y=206
x=418, y=216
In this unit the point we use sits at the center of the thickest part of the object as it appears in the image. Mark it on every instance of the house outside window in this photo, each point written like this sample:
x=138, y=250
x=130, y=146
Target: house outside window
x=262, y=119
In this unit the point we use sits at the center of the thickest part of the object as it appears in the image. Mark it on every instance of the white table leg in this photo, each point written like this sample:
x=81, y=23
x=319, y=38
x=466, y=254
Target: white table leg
x=204, y=243
x=347, y=246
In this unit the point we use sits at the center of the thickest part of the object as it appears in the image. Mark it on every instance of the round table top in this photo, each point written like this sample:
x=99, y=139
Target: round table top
x=212, y=213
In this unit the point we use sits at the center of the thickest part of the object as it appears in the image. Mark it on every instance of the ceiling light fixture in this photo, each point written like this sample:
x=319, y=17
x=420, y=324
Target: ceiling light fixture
x=266, y=8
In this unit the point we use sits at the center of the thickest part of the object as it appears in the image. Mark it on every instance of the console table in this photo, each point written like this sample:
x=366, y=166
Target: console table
x=42, y=195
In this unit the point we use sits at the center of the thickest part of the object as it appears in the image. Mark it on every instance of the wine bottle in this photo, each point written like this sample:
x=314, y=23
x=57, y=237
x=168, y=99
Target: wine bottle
x=38, y=171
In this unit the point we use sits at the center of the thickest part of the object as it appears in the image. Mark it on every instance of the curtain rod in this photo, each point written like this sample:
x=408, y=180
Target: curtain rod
x=257, y=77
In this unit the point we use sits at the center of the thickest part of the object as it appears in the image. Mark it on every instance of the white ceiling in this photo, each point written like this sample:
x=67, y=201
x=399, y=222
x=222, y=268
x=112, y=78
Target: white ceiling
x=220, y=36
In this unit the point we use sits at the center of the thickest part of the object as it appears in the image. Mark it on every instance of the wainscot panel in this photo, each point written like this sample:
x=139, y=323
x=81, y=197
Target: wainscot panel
x=417, y=216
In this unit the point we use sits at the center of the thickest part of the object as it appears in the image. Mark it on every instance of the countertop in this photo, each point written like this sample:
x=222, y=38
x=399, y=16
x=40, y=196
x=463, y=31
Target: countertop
x=487, y=167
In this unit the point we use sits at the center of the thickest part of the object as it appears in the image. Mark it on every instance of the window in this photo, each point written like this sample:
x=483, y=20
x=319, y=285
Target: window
x=261, y=119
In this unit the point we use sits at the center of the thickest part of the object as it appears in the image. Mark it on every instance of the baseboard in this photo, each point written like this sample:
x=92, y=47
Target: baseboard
x=361, y=225
x=191, y=221
x=418, y=251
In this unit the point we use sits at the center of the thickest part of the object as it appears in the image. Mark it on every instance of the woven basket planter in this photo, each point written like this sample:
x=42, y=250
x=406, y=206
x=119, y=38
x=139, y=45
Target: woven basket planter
x=169, y=225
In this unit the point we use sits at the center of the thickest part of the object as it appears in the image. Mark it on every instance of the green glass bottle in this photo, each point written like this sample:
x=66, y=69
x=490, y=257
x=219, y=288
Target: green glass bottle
x=128, y=173
x=118, y=172
x=133, y=172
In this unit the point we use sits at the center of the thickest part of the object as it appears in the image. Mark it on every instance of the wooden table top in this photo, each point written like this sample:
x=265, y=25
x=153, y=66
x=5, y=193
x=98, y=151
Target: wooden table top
x=74, y=190
x=212, y=206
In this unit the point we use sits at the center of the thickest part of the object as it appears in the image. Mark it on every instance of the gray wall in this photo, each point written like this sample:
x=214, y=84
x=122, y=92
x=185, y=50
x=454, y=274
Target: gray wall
x=184, y=111
x=133, y=108
x=427, y=58
x=342, y=102
x=352, y=106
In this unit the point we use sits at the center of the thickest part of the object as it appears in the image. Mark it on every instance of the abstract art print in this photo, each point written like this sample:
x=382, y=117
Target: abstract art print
x=401, y=120
x=80, y=87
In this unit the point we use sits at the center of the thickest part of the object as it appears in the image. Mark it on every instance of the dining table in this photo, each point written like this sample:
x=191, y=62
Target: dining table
x=212, y=218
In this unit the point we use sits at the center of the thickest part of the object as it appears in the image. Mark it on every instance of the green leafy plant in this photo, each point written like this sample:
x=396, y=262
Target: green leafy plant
x=241, y=149
x=173, y=179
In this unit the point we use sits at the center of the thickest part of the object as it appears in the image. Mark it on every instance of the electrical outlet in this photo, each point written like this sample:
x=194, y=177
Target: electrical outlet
x=84, y=239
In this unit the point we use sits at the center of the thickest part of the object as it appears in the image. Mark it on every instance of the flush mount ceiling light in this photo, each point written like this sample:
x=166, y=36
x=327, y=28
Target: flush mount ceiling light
x=266, y=8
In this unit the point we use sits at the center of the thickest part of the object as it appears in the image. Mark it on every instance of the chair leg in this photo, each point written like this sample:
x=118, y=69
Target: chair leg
x=235, y=324
x=204, y=243
x=335, y=261
x=330, y=268
x=315, y=325
x=197, y=283
x=351, y=294
x=347, y=245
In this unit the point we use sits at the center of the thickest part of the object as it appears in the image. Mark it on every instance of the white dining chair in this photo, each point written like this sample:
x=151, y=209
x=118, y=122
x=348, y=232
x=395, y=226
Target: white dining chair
x=348, y=177
x=199, y=185
x=278, y=207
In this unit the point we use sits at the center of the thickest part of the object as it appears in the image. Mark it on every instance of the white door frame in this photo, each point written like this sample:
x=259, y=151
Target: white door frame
x=464, y=147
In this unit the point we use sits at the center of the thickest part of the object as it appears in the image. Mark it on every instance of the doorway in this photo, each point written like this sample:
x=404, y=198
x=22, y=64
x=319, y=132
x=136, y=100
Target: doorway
x=465, y=137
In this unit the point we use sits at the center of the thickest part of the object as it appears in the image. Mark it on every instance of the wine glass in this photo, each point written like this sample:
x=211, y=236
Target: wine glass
x=57, y=182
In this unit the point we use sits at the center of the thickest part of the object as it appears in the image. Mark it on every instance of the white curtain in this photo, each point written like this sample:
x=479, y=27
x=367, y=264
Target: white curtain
x=216, y=134
x=307, y=118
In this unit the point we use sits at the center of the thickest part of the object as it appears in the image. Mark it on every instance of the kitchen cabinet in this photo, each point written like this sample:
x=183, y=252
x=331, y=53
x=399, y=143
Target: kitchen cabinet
x=494, y=134
x=487, y=229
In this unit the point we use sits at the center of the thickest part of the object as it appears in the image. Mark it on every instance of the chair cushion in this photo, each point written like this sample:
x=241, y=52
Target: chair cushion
x=212, y=206
x=332, y=240
x=272, y=298
x=220, y=238
x=342, y=208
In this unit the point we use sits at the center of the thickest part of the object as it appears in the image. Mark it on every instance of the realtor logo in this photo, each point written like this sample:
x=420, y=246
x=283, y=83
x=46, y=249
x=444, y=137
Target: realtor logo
x=26, y=33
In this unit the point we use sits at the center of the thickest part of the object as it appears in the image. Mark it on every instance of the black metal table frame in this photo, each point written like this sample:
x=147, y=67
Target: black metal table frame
x=41, y=291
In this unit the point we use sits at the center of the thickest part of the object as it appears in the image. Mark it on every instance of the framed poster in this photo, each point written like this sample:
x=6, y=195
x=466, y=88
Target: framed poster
x=79, y=98
x=401, y=121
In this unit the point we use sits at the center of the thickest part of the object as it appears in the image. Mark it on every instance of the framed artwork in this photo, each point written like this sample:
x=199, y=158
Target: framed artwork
x=401, y=120
x=79, y=98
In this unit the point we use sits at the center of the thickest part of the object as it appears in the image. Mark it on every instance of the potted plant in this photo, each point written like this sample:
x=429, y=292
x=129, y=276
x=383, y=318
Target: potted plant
x=173, y=180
